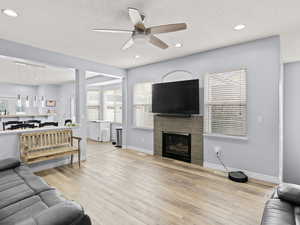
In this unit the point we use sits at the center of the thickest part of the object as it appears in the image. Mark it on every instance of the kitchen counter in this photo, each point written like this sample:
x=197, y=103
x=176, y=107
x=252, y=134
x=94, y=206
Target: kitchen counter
x=25, y=115
x=38, y=129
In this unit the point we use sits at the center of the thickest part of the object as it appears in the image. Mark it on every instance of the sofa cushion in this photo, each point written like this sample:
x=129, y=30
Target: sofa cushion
x=51, y=198
x=66, y=212
x=9, y=179
x=21, y=210
x=9, y=163
x=18, y=184
x=35, y=183
x=26, y=199
x=278, y=212
x=289, y=192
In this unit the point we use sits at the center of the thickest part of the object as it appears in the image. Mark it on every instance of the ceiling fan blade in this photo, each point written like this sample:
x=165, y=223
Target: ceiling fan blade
x=167, y=28
x=157, y=42
x=113, y=31
x=128, y=44
x=136, y=18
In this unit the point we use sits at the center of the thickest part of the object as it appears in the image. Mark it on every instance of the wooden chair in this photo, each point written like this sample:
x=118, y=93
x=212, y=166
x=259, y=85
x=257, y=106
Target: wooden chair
x=41, y=146
x=21, y=126
x=5, y=124
x=47, y=124
x=67, y=122
x=36, y=123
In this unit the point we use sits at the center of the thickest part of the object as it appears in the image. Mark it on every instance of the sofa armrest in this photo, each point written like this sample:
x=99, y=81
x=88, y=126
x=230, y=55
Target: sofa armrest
x=84, y=221
x=9, y=163
x=64, y=213
x=289, y=192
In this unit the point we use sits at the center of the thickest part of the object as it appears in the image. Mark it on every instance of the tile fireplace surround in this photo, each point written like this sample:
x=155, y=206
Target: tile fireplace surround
x=192, y=125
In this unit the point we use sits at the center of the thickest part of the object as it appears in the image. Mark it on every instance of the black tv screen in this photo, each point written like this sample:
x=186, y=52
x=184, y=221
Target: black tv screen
x=181, y=97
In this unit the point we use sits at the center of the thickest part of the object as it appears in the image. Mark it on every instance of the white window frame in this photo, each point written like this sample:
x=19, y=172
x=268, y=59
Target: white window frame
x=207, y=104
x=143, y=105
x=95, y=106
x=115, y=104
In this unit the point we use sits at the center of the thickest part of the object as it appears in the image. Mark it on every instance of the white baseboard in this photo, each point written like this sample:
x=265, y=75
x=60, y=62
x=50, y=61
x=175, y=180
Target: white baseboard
x=147, y=151
x=250, y=174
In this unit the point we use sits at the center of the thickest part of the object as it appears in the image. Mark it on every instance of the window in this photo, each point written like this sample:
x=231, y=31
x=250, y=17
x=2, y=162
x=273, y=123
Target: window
x=142, y=105
x=93, y=102
x=226, y=103
x=112, y=105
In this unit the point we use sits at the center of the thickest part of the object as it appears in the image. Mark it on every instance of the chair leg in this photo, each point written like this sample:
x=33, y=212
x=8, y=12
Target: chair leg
x=79, y=158
x=72, y=159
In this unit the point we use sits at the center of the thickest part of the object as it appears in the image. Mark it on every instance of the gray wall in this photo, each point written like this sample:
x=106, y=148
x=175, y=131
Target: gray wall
x=60, y=92
x=12, y=90
x=65, y=92
x=291, y=149
x=261, y=58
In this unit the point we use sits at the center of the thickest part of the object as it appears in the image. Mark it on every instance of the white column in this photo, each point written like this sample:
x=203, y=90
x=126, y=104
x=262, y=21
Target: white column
x=81, y=112
x=124, y=112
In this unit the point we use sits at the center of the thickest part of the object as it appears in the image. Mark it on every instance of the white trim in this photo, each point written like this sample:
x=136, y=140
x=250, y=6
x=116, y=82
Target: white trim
x=143, y=128
x=147, y=151
x=212, y=135
x=281, y=119
x=118, y=81
x=258, y=176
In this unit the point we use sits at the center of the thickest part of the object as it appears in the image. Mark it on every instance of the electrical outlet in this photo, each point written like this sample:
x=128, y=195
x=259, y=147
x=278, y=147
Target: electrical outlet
x=217, y=150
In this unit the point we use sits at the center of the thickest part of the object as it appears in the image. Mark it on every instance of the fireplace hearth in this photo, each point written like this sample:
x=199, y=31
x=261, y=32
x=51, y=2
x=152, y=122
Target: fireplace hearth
x=177, y=146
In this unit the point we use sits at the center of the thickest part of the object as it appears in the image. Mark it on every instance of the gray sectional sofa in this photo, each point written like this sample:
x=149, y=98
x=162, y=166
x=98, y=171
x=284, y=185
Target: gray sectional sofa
x=26, y=199
x=284, y=206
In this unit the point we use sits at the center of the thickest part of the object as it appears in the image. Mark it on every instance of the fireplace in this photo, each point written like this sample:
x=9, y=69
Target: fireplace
x=177, y=146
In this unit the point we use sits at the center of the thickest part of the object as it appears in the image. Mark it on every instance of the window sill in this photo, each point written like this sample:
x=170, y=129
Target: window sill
x=143, y=128
x=225, y=137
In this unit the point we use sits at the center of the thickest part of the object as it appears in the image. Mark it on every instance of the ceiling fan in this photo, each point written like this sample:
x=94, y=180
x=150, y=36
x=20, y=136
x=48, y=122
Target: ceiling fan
x=143, y=34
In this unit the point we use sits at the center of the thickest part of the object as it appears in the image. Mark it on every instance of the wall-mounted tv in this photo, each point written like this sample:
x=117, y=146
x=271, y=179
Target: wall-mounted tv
x=181, y=97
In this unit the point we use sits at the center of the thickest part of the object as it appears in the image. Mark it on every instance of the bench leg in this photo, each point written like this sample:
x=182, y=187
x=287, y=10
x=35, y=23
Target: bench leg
x=72, y=159
x=79, y=158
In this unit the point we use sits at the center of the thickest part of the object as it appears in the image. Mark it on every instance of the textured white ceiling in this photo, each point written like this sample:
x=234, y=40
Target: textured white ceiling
x=65, y=26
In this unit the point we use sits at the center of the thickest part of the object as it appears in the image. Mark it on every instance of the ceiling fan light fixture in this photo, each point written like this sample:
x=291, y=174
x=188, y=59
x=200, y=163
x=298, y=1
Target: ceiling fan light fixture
x=143, y=34
x=240, y=27
x=9, y=12
x=178, y=45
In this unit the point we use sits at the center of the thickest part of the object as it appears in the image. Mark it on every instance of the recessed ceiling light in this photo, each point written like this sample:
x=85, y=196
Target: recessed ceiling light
x=178, y=45
x=9, y=12
x=137, y=56
x=239, y=27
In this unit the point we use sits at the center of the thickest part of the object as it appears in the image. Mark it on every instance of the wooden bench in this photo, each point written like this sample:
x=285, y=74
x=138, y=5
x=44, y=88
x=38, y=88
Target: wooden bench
x=45, y=145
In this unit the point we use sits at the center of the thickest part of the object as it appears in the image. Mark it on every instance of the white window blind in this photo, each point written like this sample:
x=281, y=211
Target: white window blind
x=112, y=105
x=142, y=105
x=226, y=103
x=93, y=103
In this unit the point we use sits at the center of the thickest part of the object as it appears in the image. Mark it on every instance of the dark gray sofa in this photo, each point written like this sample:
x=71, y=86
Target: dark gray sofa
x=284, y=206
x=26, y=199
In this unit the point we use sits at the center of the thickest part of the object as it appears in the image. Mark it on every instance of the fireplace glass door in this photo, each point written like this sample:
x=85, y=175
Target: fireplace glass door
x=177, y=146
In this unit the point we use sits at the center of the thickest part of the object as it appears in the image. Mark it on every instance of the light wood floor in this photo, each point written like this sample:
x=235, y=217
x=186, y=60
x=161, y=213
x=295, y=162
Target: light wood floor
x=123, y=187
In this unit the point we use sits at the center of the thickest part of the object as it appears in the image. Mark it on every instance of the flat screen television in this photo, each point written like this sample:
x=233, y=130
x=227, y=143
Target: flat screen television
x=181, y=97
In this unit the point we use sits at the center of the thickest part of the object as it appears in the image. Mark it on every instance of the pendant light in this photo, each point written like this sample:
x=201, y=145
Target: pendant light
x=19, y=101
